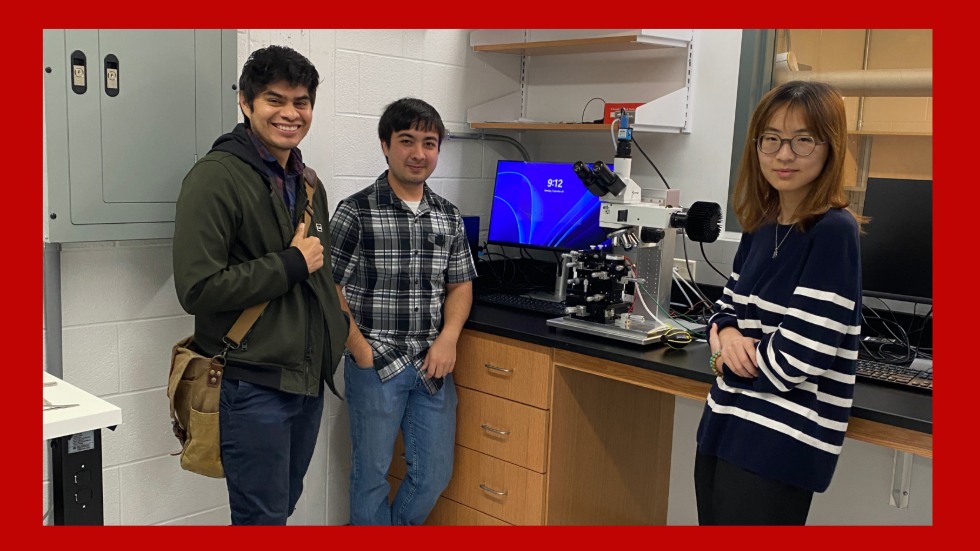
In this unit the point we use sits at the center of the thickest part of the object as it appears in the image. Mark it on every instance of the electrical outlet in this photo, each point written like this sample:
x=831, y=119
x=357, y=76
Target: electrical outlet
x=682, y=271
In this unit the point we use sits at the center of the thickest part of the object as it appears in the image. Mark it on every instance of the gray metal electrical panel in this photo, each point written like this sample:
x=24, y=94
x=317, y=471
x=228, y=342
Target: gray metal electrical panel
x=127, y=113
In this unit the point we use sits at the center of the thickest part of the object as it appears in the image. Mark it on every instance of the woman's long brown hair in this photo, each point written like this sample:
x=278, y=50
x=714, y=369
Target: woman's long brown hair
x=822, y=108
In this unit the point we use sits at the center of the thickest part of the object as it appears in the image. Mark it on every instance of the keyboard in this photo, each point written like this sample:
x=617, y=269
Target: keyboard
x=894, y=375
x=523, y=303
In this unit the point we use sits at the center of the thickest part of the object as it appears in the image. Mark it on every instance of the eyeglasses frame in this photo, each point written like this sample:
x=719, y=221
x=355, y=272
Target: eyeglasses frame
x=782, y=141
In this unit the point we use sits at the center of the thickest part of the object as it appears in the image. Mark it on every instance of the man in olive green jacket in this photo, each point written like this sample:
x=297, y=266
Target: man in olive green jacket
x=240, y=240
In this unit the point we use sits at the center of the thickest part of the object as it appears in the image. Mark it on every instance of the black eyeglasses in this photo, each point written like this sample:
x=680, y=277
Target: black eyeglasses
x=801, y=145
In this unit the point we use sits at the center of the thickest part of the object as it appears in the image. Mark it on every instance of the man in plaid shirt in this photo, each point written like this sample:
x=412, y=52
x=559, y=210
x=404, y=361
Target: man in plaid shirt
x=404, y=271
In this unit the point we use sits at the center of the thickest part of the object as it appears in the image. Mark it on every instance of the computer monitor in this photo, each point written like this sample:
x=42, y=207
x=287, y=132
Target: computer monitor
x=543, y=205
x=896, y=249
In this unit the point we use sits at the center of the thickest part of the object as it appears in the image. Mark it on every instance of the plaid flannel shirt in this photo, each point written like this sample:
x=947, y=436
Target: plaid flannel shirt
x=394, y=265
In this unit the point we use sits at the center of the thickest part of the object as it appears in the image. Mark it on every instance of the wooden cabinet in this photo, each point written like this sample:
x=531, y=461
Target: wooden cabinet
x=502, y=433
x=649, y=66
x=611, y=443
x=540, y=439
x=548, y=436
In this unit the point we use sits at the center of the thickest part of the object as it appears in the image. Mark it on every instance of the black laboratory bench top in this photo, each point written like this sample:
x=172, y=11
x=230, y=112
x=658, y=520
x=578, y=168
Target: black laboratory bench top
x=890, y=406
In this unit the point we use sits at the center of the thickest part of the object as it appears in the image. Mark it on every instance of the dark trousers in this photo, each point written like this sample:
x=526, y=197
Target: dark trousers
x=730, y=496
x=267, y=441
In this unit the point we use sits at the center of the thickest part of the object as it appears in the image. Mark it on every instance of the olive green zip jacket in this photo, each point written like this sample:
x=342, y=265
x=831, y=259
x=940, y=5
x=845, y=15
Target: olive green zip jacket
x=231, y=250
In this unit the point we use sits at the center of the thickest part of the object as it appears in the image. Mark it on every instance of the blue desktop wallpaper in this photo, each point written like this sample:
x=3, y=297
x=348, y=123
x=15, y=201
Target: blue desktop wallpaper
x=543, y=205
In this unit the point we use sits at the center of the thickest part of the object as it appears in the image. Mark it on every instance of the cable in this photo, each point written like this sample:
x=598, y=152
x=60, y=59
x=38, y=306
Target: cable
x=636, y=284
x=644, y=290
x=702, y=300
x=677, y=278
x=533, y=263
x=687, y=263
x=899, y=338
x=587, y=106
x=499, y=278
x=922, y=331
x=647, y=308
x=705, y=257
x=651, y=162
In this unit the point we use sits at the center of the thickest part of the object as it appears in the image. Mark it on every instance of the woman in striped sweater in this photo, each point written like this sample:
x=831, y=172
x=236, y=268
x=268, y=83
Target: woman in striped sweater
x=784, y=337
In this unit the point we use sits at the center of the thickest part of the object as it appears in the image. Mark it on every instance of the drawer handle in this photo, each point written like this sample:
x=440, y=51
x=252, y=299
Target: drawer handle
x=489, y=365
x=490, y=490
x=488, y=428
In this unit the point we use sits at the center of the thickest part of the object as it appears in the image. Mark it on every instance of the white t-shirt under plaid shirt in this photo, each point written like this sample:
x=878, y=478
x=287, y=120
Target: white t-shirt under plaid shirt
x=394, y=265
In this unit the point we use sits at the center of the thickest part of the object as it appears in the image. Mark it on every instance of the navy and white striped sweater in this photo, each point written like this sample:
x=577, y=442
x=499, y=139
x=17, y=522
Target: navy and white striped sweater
x=804, y=306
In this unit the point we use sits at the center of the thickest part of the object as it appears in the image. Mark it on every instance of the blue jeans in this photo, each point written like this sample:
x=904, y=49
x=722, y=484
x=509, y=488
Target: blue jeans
x=428, y=425
x=267, y=441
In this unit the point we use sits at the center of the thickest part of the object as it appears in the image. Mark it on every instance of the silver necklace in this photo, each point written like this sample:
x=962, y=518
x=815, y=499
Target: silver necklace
x=779, y=242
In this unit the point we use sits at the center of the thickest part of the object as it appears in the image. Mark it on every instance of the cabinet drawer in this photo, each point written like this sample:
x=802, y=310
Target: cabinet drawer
x=509, y=492
x=500, y=489
x=449, y=513
x=507, y=430
x=504, y=367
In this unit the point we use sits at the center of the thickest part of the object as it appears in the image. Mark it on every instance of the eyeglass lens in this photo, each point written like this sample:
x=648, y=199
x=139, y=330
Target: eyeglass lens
x=801, y=145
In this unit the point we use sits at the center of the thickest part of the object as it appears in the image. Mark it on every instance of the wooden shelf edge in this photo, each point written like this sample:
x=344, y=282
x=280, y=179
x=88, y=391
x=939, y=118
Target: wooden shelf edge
x=886, y=133
x=906, y=440
x=572, y=46
x=570, y=126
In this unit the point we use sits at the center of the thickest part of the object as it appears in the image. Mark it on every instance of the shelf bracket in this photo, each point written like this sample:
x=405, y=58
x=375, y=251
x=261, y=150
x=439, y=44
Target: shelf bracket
x=864, y=160
x=901, y=480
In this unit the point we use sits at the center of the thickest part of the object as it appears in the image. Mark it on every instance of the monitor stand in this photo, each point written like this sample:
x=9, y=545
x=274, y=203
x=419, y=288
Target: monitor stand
x=550, y=297
x=561, y=282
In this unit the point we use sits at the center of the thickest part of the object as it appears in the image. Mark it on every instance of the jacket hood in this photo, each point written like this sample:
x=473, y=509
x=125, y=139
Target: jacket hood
x=238, y=143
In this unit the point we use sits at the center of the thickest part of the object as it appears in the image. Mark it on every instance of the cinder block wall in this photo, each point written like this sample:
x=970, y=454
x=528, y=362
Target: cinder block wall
x=120, y=312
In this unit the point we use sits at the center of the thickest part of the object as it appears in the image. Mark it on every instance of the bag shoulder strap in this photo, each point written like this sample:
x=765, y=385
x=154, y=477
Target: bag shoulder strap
x=311, y=180
x=251, y=314
x=245, y=321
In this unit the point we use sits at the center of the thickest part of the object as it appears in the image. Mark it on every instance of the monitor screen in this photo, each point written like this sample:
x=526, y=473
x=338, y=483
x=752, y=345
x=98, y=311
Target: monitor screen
x=543, y=205
x=896, y=249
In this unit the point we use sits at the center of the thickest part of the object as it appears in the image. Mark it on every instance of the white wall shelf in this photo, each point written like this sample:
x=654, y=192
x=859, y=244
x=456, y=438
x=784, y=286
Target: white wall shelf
x=546, y=88
x=885, y=133
x=617, y=43
x=566, y=126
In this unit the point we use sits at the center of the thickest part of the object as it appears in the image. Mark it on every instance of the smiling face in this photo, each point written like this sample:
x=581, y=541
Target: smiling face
x=787, y=172
x=412, y=156
x=280, y=117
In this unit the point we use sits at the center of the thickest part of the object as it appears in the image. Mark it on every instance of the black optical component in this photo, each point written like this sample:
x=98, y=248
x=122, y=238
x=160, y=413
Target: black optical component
x=600, y=180
x=701, y=222
x=589, y=179
x=608, y=179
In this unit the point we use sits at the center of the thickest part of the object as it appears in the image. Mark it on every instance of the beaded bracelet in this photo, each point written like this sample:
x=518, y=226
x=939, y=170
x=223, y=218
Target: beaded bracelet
x=711, y=363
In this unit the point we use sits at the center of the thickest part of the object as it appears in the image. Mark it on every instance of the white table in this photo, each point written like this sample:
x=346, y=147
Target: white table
x=76, y=449
x=91, y=412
